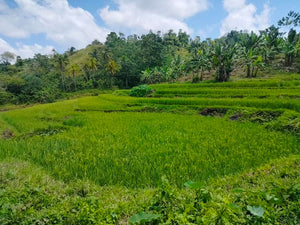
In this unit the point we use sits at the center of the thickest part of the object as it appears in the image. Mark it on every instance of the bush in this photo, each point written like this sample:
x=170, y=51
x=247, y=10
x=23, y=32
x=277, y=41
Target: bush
x=5, y=97
x=140, y=91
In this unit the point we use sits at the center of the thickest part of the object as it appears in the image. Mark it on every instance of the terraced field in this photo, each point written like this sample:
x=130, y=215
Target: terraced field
x=187, y=154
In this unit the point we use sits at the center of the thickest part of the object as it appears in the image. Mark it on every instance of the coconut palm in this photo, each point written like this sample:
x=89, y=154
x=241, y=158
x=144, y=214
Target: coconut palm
x=92, y=65
x=112, y=68
x=61, y=62
x=73, y=71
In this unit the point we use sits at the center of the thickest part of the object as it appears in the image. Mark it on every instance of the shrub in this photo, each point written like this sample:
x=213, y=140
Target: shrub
x=5, y=97
x=140, y=91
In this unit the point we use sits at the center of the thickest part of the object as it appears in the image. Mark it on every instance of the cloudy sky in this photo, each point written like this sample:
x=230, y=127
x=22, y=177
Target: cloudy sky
x=38, y=26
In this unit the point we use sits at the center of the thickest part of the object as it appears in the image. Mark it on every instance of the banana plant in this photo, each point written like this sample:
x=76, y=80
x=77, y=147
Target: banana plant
x=249, y=53
x=222, y=58
x=290, y=47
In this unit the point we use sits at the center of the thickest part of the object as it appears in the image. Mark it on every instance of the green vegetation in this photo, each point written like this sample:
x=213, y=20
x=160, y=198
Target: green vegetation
x=152, y=58
x=269, y=194
x=140, y=91
x=199, y=152
x=210, y=153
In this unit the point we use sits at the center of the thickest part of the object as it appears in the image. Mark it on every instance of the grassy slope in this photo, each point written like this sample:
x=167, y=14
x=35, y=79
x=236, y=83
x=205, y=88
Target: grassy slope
x=81, y=57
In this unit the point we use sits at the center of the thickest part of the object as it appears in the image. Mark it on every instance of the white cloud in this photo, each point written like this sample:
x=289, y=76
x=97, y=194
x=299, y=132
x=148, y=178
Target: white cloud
x=28, y=51
x=156, y=15
x=5, y=47
x=56, y=19
x=243, y=16
x=25, y=51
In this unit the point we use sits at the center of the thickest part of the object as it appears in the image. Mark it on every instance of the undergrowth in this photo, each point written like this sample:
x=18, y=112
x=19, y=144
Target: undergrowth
x=268, y=195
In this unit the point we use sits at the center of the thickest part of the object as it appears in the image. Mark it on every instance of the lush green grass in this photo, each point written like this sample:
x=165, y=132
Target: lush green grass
x=229, y=92
x=283, y=81
x=293, y=104
x=135, y=149
x=103, y=157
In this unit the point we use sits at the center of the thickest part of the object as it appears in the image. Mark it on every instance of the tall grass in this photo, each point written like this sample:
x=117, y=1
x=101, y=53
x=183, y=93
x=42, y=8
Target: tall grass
x=228, y=92
x=237, y=84
x=293, y=104
x=107, y=140
x=136, y=149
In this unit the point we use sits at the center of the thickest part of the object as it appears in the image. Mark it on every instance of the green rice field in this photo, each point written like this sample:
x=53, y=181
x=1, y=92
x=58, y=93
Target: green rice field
x=108, y=157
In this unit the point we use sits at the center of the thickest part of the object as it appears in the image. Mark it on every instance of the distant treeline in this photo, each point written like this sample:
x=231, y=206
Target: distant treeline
x=151, y=58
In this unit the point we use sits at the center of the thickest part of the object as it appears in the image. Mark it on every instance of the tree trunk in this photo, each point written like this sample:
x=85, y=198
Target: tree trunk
x=256, y=70
x=201, y=76
x=126, y=81
x=62, y=81
x=74, y=78
x=248, y=71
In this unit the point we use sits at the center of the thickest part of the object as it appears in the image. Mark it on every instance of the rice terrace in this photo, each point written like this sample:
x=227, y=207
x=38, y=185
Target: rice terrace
x=201, y=132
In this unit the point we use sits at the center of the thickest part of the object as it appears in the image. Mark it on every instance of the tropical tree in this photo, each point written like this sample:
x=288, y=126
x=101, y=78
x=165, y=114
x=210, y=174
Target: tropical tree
x=200, y=62
x=293, y=18
x=112, y=68
x=147, y=76
x=72, y=50
x=19, y=61
x=40, y=65
x=222, y=58
x=249, y=53
x=61, y=62
x=73, y=71
x=92, y=66
x=151, y=50
x=178, y=66
x=290, y=47
x=7, y=57
x=271, y=42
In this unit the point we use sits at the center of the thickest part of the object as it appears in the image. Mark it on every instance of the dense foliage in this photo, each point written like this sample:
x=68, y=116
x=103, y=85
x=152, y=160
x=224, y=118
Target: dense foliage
x=268, y=195
x=150, y=58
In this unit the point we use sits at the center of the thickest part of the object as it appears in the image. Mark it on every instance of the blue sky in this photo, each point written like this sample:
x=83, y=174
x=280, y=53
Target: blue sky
x=28, y=27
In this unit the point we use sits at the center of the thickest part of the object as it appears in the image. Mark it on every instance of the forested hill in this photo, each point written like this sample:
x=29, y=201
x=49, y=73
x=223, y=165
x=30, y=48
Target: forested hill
x=150, y=58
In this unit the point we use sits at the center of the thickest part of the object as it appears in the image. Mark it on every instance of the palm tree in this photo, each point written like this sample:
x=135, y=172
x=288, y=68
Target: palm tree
x=61, y=62
x=112, y=68
x=92, y=65
x=73, y=71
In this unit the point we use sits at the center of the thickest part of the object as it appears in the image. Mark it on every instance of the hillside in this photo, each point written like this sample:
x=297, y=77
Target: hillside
x=82, y=57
